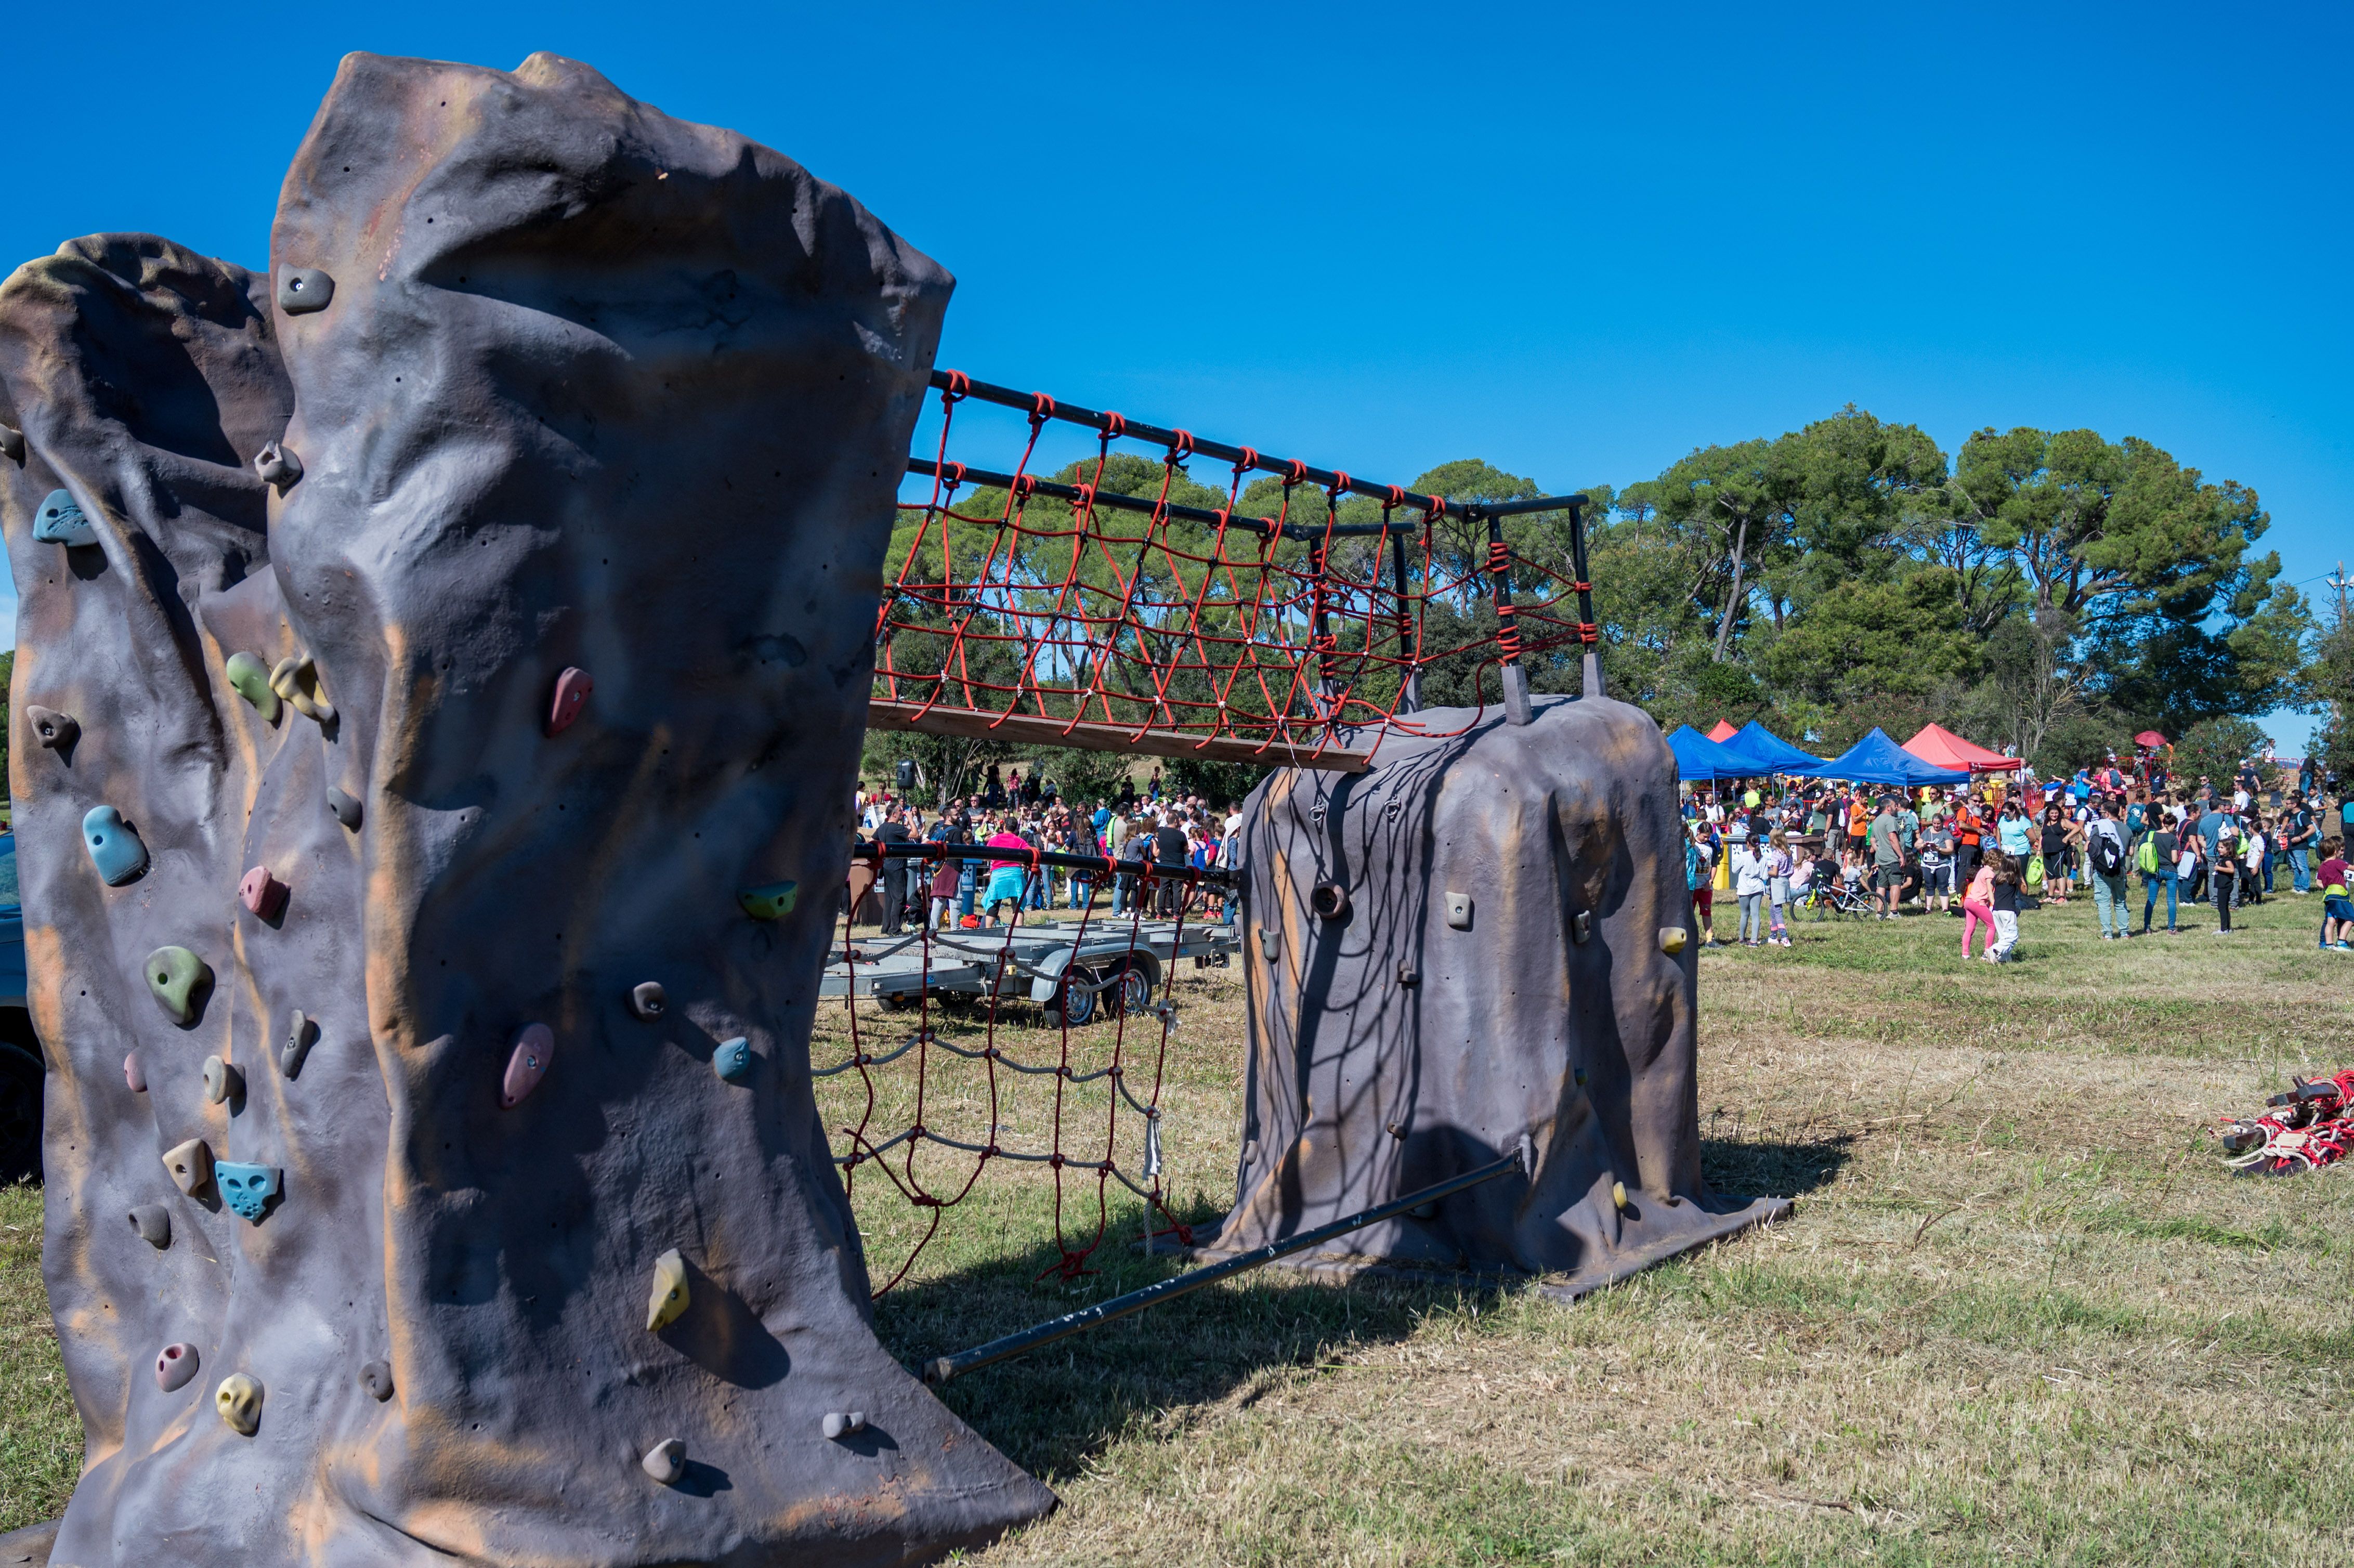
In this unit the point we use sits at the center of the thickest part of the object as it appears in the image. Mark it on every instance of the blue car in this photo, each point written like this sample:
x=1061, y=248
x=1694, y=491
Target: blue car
x=20, y=1049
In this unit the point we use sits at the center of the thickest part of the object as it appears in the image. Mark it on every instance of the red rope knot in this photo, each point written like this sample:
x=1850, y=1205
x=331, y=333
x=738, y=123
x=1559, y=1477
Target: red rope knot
x=1396, y=498
x=959, y=385
x=952, y=475
x=1581, y=587
x=1587, y=633
x=1181, y=448
x=1249, y=460
x=1500, y=555
x=1086, y=500
x=1042, y=407
x=1114, y=426
x=1024, y=486
x=1438, y=509
x=1294, y=471
x=1339, y=488
x=1054, y=1160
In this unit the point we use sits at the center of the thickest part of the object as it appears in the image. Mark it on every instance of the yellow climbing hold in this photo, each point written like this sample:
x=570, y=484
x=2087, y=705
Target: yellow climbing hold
x=669, y=1299
x=297, y=680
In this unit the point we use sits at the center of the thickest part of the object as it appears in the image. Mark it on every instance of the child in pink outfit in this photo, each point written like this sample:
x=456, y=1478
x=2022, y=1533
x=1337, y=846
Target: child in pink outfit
x=1978, y=908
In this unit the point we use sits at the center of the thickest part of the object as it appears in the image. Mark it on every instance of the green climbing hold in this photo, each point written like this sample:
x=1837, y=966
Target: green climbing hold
x=250, y=678
x=178, y=978
x=770, y=903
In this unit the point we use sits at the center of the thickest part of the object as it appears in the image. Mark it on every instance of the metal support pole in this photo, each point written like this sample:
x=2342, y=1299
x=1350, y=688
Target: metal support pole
x=1319, y=633
x=1508, y=627
x=1410, y=699
x=942, y=1368
x=1587, y=630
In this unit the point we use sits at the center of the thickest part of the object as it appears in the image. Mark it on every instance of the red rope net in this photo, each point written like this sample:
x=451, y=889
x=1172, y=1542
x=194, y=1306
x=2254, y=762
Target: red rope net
x=1117, y=603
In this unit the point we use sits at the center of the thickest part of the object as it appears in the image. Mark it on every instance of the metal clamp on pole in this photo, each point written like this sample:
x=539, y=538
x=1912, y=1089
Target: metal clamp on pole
x=942, y=1368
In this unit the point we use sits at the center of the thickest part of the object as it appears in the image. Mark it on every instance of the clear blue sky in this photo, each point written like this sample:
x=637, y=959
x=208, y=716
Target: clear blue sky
x=1575, y=241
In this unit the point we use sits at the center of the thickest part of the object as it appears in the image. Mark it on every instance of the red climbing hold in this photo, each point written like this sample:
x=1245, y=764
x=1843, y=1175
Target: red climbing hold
x=533, y=1049
x=262, y=893
x=572, y=689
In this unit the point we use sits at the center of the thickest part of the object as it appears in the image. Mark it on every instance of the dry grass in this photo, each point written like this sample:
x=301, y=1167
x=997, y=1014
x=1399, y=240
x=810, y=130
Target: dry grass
x=2021, y=1314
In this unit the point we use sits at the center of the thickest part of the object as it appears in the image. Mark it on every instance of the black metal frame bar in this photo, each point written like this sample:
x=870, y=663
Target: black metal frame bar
x=940, y=1369
x=1150, y=870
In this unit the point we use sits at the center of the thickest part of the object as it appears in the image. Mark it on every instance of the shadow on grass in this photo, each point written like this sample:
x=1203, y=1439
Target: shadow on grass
x=1777, y=1170
x=1053, y=1410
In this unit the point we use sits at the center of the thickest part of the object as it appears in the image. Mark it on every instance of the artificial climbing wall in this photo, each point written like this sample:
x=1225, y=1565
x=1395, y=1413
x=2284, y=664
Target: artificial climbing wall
x=441, y=675
x=1485, y=936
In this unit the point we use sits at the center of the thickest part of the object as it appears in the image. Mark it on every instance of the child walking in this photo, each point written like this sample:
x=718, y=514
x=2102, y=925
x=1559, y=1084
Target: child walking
x=2006, y=909
x=1977, y=905
x=1779, y=867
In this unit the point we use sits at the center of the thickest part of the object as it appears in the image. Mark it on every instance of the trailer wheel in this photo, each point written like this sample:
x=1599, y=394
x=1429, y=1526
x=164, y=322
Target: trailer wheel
x=1075, y=1005
x=1135, y=989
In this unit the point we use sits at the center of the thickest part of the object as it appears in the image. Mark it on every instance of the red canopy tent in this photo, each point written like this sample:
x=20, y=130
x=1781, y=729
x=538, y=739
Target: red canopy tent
x=1942, y=748
x=1723, y=731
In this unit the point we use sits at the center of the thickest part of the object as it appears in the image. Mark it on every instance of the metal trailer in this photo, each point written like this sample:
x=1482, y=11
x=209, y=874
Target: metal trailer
x=1073, y=976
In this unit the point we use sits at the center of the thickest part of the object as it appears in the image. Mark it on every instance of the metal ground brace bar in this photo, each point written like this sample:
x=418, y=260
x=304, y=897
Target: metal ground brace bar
x=943, y=1368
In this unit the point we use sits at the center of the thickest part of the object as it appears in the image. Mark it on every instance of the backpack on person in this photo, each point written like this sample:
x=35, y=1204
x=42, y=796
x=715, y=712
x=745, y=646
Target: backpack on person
x=2108, y=855
x=2147, y=856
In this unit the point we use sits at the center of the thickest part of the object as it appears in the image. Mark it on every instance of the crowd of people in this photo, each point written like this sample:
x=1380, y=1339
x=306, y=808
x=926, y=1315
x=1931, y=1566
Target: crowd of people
x=1986, y=850
x=1024, y=817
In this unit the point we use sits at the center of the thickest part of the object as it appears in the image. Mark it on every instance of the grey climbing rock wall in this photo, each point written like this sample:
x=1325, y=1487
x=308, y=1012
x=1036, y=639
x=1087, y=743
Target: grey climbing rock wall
x=478, y=607
x=1479, y=937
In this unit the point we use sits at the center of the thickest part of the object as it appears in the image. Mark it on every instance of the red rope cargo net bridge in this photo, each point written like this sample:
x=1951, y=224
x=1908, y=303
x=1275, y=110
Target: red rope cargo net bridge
x=1085, y=615
x=1079, y=615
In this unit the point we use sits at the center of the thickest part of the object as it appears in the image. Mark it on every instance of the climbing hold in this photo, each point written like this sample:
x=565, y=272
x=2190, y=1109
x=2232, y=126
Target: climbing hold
x=247, y=1189
x=59, y=521
x=239, y=1400
x=772, y=902
x=222, y=1082
x=301, y=1031
x=297, y=680
x=534, y=1048
x=375, y=1378
x=1672, y=939
x=1330, y=900
x=302, y=290
x=345, y=807
x=178, y=978
x=176, y=1367
x=12, y=443
x=114, y=848
x=133, y=1074
x=250, y=678
x=53, y=729
x=1458, y=911
x=262, y=893
x=154, y=1223
x=647, y=1000
x=733, y=1059
x=845, y=1422
x=1577, y=1075
x=1618, y=1195
x=1269, y=945
x=669, y=1298
x=666, y=1461
x=1580, y=925
x=572, y=689
x=278, y=467
x=191, y=1165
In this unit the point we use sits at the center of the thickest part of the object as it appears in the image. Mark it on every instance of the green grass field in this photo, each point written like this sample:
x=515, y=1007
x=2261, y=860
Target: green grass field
x=2022, y=1312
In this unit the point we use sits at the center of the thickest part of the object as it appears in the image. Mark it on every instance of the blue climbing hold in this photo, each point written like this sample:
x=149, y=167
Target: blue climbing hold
x=60, y=522
x=114, y=848
x=733, y=1059
x=247, y=1189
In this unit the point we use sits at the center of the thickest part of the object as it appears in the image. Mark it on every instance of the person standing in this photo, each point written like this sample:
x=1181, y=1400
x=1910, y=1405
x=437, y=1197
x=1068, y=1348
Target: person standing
x=2224, y=872
x=2301, y=829
x=1171, y=850
x=1938, y=865
x=1978, y=908
x=2158, y=851
x=1779, y=867
x=2105, y=866
x=1749, y=881
x=1968, y=829
x=1887, y=857
x=2012, y=835
x=2337, y=903
x=2006, y=909
x=1700, y=875
x=893, y=833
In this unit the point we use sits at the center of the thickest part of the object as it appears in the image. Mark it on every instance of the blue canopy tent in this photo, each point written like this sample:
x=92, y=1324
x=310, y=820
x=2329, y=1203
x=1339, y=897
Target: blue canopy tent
x=1766, y=752
x=1699, y=760
x=1876, y=759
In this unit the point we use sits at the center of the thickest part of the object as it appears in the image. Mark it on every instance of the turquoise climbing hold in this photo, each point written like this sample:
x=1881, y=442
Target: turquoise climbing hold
x=249, y=677
x=59, y=521
x=178, y=978
x=247, y=1189
x=114, y=847
x=733, y=1059
x=772, y=902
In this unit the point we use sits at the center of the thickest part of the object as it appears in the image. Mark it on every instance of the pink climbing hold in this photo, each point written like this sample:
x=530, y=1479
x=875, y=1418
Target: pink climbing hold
x=134, y=1074
x=175, y=1365
x=534, y=1048
x=572, y=689
x=262, y=893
